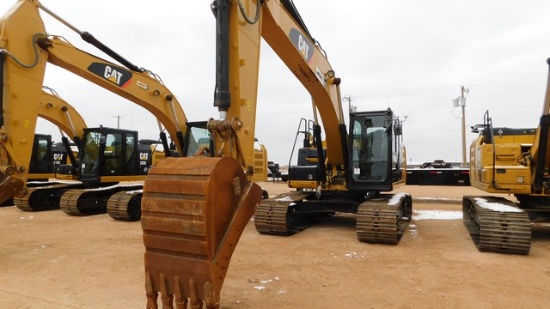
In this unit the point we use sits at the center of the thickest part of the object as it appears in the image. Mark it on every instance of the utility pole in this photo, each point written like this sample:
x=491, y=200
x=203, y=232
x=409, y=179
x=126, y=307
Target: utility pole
x=118, y=117
x=350, y=107
x=461, y=101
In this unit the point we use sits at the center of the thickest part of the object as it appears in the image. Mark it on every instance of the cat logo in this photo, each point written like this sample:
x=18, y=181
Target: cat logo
x=304, y=46
x=113, y=74
x=58, y=157
x=143, y=156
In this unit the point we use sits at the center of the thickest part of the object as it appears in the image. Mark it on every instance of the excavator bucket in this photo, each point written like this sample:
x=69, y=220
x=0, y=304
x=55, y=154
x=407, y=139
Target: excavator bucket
x=10, y=187
x=194, y=211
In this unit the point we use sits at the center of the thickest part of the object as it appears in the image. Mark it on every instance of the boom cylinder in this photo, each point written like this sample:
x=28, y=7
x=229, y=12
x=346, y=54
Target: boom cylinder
x=222, y=97
x=546, y=109
x=88, y=37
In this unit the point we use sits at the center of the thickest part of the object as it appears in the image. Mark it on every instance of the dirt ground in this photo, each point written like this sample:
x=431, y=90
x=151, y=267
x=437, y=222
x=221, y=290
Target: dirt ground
x=52, y=260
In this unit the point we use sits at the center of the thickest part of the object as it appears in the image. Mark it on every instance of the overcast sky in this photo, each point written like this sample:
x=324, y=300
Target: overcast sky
x=412, y=56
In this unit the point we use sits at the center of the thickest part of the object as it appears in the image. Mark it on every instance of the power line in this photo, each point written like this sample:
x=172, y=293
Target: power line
x=448, y=88
x=406, y=92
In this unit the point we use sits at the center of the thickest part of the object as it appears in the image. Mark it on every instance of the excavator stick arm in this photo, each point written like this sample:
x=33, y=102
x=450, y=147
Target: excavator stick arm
x=23, y=67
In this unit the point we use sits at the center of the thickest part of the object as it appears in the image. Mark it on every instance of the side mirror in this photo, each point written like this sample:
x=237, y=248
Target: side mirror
x=398, y=128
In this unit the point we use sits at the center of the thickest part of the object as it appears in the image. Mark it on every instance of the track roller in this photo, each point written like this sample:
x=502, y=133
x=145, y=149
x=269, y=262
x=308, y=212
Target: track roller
x=497, y=224
x=384, y=219
x=125, y=205
x=274, y=216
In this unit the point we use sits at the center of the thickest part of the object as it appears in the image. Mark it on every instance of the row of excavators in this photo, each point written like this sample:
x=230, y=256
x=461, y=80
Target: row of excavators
x=56, y=179
x=197, y=200
x=53, y=194
x=198, y=197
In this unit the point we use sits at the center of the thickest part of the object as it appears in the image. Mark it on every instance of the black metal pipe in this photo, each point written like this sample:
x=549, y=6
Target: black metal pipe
x=70, y=154
x=88, y=37
x=164, y=141
x=181, y=140
x=78, y=142
x=345, y=151
x=540, y=165
x=222, y=97
x=320, y=151
x=292, y=11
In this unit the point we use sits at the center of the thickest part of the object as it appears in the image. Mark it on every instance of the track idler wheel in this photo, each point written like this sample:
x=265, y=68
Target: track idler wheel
x=194, y=211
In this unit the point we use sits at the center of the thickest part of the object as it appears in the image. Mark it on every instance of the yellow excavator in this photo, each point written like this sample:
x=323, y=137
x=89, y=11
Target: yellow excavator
x=113, y=150
x=509, y=161
x=25, y=48
x=115, y=161
x=43, y=163
x=70, y=122
x=45, y=158
x=195, y=208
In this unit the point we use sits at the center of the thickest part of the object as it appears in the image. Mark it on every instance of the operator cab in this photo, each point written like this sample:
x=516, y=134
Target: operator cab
x=42, y=159
x=112, y=152
x=376, y=151
x=198, y=139
x=376, y=154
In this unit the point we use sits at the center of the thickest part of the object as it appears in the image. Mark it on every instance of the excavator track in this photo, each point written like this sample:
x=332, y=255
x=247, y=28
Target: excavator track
x=46, y=197
x=82, y=202
x=125, y=205
x=194, y=211
x=496, y=224
x=384, y=219
x=274, y=216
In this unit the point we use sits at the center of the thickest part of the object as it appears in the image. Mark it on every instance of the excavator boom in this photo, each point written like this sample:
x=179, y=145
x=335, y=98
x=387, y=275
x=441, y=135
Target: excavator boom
x=142, y=88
